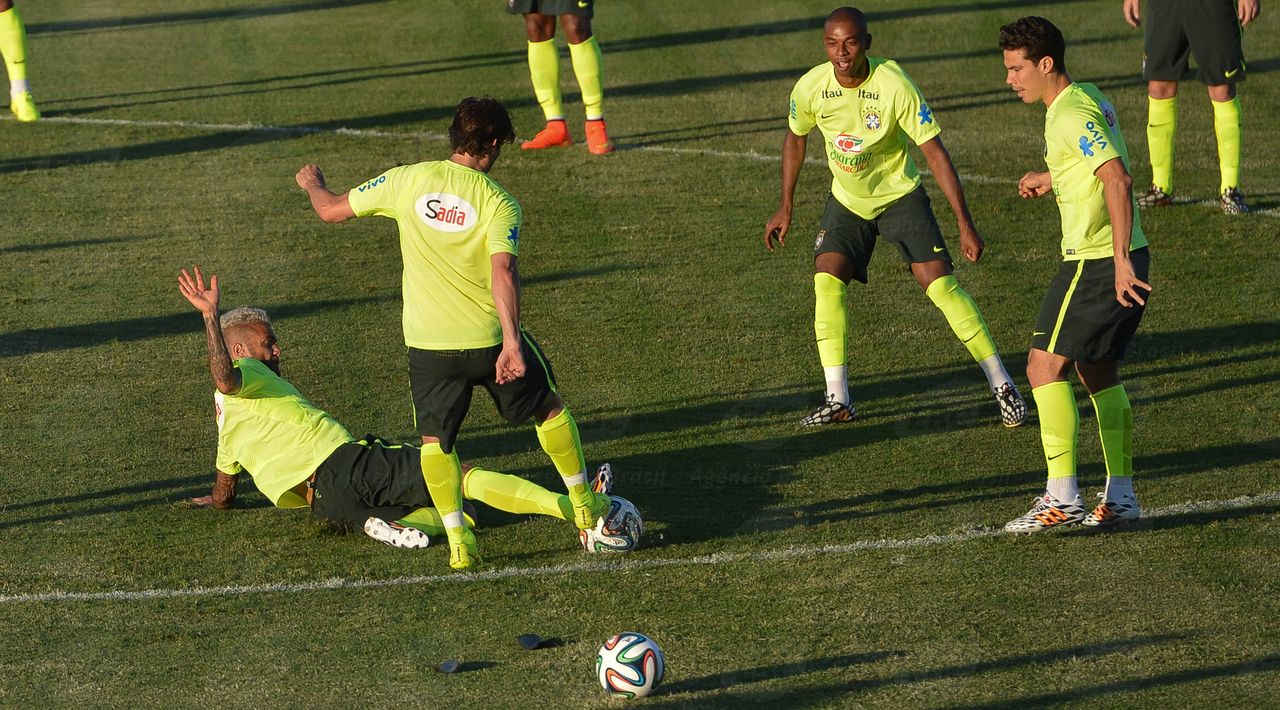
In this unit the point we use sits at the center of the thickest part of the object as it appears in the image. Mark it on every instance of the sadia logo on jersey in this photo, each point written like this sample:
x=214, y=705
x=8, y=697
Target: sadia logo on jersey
x=445, y=212
x=846, y=143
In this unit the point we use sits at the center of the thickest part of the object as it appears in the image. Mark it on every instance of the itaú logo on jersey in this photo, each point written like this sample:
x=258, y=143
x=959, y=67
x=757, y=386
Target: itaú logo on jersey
x=446, y=212
x=846, y=143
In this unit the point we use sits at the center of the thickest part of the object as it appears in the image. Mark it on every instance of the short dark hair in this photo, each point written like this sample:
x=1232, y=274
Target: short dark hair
x=477, y=123
x=1037, y=38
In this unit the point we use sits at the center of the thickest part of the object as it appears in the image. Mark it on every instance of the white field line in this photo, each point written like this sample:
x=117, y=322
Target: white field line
x=427, y=135
x=613, y=565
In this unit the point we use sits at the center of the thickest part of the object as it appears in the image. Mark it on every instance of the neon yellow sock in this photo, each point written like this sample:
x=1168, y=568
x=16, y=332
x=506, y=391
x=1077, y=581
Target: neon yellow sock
x=588, y=67
x=13, y=46
x=544, y=70
x=559, y=438
x=514, y=494
x=830, y=318
x=1228, y=124
x=1115, y=429
x=425, y=519
x=1059, y=427
x=963, y=316
x=443, y=475
x=1162, y=124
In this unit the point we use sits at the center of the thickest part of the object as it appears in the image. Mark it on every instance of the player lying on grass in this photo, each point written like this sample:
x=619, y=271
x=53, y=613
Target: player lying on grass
x=300, y=457
x=866, y=109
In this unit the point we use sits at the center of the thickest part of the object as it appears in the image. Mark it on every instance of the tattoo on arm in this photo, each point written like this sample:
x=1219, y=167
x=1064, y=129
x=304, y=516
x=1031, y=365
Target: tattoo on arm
x=225, y=377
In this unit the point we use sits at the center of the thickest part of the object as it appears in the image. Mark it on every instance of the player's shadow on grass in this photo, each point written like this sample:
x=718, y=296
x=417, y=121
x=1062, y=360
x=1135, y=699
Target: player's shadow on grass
x=729, y=679
x=857, y=683
x=54, y=338
x=140, y=495
x=1268, y=663
x=182, y=18
x=68, y=244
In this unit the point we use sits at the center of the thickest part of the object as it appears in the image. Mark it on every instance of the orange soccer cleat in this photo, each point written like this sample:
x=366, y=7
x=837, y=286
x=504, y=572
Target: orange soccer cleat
x=598, y=137
x=555, y=135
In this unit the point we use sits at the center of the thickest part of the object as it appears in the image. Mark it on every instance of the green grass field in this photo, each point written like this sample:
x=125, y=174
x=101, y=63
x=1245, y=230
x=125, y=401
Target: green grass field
x=849, y=566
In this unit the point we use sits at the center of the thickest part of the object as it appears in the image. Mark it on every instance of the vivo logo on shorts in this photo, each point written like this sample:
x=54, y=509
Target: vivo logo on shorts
x=445, y=212
x=846, y=143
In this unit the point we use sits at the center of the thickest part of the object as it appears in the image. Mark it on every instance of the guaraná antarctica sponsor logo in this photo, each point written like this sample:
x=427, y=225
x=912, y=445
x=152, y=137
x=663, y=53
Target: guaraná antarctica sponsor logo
x=445, y=212
x=846, y=143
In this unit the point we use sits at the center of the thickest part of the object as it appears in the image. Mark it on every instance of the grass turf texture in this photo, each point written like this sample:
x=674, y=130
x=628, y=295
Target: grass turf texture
x=684, y=349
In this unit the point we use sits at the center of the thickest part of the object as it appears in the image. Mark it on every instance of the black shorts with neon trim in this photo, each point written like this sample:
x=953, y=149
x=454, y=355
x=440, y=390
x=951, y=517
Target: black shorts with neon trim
x=442, y=382
x=581, y=8
x=1209, y=30
x=1081, y=319
x=908, y=224
x=369, y=478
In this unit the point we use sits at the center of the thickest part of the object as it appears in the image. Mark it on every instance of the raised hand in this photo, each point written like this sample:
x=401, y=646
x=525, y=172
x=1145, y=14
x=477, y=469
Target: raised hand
x=193, y=289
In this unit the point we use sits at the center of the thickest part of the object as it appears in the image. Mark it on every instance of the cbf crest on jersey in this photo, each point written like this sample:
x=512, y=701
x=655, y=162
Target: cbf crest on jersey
x=871, y=119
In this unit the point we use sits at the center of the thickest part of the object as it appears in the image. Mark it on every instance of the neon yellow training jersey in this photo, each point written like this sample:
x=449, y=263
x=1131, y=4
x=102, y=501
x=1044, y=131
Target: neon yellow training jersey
x=269, y=430
x=1081, y=133
x=866, y=131
x=451, y=219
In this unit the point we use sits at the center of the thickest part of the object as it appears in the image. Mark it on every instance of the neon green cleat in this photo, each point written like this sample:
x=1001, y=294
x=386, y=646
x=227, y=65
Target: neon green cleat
x=465, y=554
x=24, y=107
x=585, y=516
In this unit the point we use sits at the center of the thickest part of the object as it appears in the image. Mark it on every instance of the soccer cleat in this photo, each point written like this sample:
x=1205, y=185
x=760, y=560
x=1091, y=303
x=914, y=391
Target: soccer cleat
x=598, y=137
x=395, y=534
x=1048, y=512
x=603, y=481
x=24, y=107
x=1110, y=512
x=1013, y=408
x=464, y=555
x=829, y=412
x=1232, y=201
x=585, y=516
x=555, y=135
x=1154, y=197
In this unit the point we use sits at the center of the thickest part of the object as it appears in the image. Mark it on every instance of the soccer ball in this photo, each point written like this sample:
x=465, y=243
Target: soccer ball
x=630, y=665
x=618, y=530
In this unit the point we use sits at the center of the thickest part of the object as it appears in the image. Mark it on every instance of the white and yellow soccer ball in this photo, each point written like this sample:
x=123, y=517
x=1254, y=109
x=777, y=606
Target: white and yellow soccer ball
x=618, y=530
x=630, y=665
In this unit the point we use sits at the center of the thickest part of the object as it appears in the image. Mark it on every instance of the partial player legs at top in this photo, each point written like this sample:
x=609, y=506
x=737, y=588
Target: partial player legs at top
x=13, y=48
x=544, y=70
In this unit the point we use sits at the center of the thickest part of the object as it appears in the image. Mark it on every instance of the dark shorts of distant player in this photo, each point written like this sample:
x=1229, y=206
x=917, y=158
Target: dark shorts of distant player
x=1175, y=30
x=1081, y=319
x=369, y=478
x=908, y=224
x=443, y=380
x=581, y=8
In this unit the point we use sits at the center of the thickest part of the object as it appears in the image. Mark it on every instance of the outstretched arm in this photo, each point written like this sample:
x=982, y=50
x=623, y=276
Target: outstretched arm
x=506, y=297
x=332, y=207
x=225, y=377
x=223, y=495
x=793, y=149
x=971, y=245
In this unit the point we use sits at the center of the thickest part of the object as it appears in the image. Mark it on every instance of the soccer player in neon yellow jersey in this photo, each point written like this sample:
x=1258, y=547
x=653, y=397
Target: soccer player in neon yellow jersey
x=1096, y=300
x=867, y=108
x=1212, y=31
x=544, y=69
x=459, y=240
x=13, y=48
x=299, y=456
